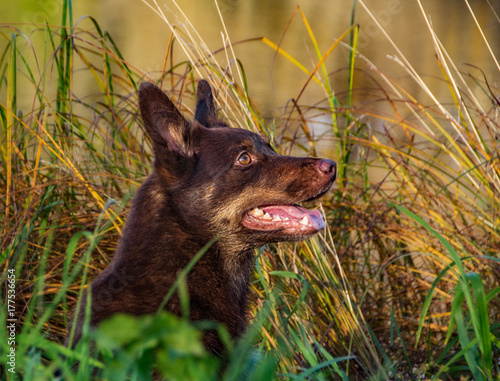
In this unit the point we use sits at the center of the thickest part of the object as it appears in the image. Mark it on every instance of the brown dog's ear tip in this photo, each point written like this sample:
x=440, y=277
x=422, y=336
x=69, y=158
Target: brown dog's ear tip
x=146, y=86
x=204, y=86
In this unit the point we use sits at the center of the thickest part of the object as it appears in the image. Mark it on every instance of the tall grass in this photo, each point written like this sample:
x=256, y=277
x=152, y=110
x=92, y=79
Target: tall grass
x=403, y=284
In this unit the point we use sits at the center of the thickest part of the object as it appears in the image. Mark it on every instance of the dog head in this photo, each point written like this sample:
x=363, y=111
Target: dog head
x=227, y=181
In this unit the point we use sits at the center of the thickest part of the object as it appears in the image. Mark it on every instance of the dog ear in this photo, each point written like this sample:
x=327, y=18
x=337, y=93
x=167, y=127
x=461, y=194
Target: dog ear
x=163, y=121
x=205, y=106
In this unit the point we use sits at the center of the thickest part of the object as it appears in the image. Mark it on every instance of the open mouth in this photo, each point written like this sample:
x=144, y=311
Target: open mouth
x=288, y=219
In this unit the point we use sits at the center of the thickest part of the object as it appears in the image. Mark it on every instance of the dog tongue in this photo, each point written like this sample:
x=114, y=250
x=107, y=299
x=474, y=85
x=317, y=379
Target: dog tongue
x=289, y=218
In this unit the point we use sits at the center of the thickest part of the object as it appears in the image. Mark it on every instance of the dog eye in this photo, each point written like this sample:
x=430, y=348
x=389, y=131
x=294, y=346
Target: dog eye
x=244, y=159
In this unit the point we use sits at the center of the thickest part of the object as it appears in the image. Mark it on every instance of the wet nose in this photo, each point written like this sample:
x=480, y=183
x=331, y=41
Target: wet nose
x=327, y=167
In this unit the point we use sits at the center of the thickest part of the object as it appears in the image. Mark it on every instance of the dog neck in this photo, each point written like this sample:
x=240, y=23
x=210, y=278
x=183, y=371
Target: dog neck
x=165, y=248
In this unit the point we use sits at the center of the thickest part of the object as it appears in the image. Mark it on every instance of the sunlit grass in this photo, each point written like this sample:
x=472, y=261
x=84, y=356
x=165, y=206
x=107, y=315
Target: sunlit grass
x=403, y=283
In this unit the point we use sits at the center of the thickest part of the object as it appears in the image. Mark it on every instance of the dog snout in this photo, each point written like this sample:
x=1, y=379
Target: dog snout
x=327, y=167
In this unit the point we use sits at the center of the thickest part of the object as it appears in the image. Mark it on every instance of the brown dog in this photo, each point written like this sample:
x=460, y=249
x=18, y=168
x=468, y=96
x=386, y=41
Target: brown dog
x=209, y=181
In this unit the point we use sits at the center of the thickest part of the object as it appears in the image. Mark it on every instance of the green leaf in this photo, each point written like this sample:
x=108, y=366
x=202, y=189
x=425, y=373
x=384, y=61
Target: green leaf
x=117, y=331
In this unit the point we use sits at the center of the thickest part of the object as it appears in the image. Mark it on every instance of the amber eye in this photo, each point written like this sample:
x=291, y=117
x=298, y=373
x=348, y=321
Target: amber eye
x=244, y=158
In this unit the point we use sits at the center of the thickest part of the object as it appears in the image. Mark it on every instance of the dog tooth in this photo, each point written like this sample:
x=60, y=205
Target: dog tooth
x=277, y=218
x=305, y=221
x=257, y=212
x=267, y=216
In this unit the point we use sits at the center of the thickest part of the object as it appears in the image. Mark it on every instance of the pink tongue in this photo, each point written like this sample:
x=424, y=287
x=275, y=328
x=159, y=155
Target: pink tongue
x=295, y=212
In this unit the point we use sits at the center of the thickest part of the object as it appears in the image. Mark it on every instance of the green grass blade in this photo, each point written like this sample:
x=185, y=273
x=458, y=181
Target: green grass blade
x=445, y=243
x=303, y=293
x=428, y=300
x=11, y=111
x=455, y=358
x=183, y=274
x=483, y=330
x=472, y=354
x=394, y=324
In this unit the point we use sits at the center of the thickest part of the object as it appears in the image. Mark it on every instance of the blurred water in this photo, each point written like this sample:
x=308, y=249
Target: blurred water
x=142, y=36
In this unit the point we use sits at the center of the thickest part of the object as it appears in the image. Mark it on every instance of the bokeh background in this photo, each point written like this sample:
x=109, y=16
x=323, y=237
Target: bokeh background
x=143, y=36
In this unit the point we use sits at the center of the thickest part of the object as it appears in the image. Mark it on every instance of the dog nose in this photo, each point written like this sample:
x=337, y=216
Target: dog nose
x=328, y=167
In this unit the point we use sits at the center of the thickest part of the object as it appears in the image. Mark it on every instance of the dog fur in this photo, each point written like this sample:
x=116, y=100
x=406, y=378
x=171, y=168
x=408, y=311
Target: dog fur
x=208, y=179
